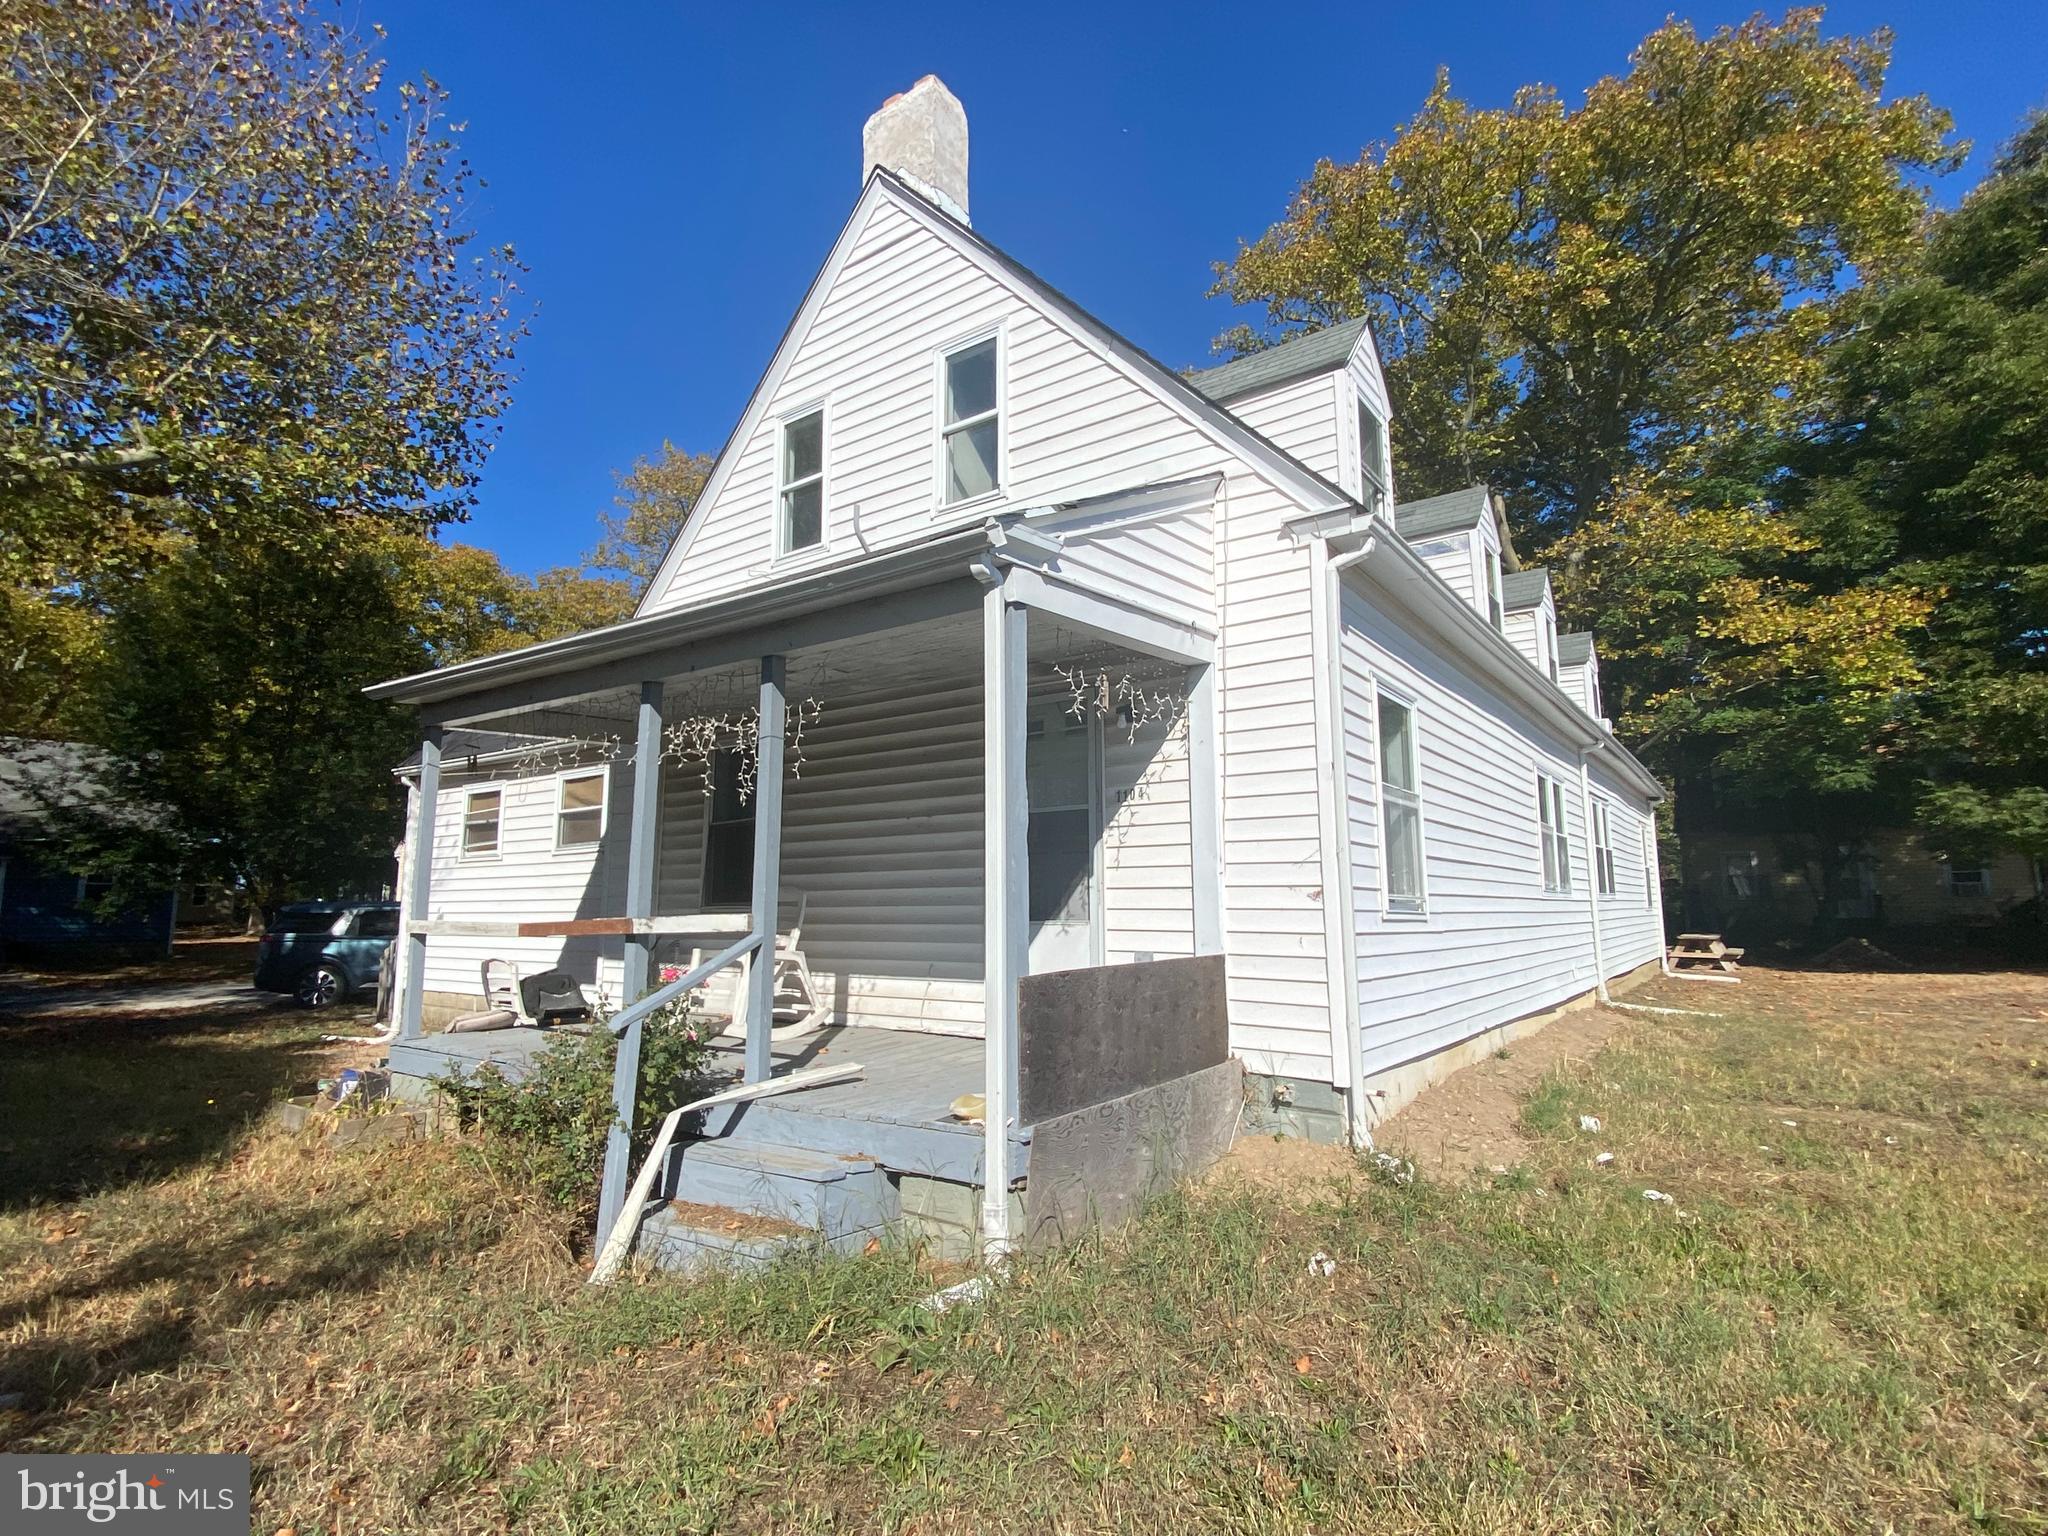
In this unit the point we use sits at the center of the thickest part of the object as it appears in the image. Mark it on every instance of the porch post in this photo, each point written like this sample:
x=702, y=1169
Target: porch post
x=1204, y=814
x=767, y=866
x=419, y=882
x=1006, y=825
x=643, y=841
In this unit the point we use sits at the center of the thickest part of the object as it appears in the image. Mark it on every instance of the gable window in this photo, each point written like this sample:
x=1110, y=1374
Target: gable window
x=1969, y=880
x=1603, y=849
x=1557, y=846
x=1372, y=454
x=728, y=837
x=579, y=810
x=1495, y=613
x=1400, y=806
x=803, y=481
x=970, y=433
x=481, y=816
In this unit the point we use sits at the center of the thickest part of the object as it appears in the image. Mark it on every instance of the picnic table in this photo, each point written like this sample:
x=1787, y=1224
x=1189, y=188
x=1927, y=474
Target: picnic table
x=1705, y=956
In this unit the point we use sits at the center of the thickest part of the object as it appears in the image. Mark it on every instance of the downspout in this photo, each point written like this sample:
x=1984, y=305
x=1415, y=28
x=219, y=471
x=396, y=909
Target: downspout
x=1592, y=876
x=1329, y=588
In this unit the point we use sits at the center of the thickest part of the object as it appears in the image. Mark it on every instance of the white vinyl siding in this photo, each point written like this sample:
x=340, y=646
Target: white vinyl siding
x=1495, y=947
x=1302, y=418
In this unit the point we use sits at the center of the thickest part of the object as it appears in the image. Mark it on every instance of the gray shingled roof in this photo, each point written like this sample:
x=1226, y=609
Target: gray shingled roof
x=1524, y=589
x=1574, y=650
x=1434, y=516
x=1301, y=356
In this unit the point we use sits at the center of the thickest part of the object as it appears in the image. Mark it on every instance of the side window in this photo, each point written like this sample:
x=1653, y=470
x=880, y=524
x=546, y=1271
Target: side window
x=970, y=427
x=728, y=837
x=802, y=481
x=1649, y=870
x=1400, y=806
x=579, y=810
x=1603, y=848
x=377, y=923
x=1557, y=847
x=1372, y=455
x=1494, y=611
x=481, y=819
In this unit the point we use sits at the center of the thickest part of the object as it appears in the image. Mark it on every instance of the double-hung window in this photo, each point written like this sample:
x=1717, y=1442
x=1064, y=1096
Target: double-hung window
x=1372, y=454
x=579, y=810
x=1603, y=849
x=803, y=481
x=1400, y=806
x=1557, y=845
x=970, y=423
x=482, y=813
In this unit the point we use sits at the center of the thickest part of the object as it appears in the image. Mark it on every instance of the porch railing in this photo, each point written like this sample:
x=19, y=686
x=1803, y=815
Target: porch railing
x=626, y=1024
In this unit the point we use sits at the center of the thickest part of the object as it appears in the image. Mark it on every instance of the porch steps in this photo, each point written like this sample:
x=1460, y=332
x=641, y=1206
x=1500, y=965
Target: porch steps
x=739, y=1205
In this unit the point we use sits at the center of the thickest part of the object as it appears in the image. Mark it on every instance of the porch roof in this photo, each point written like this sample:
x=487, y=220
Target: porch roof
x=836, y=585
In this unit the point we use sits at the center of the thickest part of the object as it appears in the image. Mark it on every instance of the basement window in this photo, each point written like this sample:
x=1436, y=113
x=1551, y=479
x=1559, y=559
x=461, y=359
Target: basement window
x=1557, y=843
x=579, y=810
x=1400, y=806
x=803, y=481
x=970, y=434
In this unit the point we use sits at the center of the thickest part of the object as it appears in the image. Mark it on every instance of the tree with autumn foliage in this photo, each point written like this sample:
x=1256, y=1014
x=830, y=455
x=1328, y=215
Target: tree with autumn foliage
x=1570, y=296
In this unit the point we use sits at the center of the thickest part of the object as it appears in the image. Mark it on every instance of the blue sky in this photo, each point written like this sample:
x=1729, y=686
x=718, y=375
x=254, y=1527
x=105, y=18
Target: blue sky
x=674, y=173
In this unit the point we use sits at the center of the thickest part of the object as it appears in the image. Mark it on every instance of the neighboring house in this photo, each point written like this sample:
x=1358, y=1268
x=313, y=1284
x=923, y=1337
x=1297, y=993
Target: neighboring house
x=1252, y=733
x=1775, y=883
x=47, y=908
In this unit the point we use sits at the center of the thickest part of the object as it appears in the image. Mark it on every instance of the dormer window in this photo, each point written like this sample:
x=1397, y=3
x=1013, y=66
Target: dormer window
x=1549, y=643
x=1494, y=611
x=803, y=481
x=970, y=432
x=1372, y=454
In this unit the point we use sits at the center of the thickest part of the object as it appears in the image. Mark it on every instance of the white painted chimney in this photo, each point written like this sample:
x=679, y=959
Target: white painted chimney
x=921, y=136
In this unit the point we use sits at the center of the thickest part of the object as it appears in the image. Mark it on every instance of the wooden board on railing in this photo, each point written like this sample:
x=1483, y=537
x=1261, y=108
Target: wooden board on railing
x=709, y=925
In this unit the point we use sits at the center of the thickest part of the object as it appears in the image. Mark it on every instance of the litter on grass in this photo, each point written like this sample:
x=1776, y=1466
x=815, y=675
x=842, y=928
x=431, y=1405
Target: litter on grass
x=1589, y=1123
x=1656, y=1194
x=1321, y=1264
x=1603, y=1159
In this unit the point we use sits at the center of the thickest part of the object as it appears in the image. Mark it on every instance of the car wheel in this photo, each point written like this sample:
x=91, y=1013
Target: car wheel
x=321, y=986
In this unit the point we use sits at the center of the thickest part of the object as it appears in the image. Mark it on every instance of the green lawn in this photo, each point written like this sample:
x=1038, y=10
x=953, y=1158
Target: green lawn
x=1836, y=1324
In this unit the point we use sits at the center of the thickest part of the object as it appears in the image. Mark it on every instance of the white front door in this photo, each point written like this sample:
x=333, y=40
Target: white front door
x=1063, y=776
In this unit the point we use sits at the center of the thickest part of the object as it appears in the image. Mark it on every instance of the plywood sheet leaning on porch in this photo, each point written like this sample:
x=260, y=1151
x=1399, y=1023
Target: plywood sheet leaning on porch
x=1087, y=1036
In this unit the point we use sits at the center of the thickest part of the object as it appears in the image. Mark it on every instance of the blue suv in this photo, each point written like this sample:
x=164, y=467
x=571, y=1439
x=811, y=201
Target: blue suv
x=321, y=951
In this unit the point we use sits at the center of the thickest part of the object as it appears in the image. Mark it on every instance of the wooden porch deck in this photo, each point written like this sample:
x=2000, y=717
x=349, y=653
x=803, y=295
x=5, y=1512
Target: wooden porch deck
x=896, y=1112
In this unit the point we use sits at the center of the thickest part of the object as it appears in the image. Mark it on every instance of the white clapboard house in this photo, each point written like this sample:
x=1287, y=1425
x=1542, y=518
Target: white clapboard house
x=1090, y=723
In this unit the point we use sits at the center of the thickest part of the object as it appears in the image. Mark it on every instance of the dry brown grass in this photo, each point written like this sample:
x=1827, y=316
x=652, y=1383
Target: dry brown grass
x=1840, y=1326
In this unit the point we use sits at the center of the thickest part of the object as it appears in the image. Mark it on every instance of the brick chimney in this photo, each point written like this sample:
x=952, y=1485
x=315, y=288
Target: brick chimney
x=921, y=136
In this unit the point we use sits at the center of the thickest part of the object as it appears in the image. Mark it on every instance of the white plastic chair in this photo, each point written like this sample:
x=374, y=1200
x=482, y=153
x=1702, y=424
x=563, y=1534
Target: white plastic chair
x=799, y=1008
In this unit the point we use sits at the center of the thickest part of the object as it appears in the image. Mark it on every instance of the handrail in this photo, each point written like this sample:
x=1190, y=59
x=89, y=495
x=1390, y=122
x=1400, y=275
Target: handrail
x=625, y=1024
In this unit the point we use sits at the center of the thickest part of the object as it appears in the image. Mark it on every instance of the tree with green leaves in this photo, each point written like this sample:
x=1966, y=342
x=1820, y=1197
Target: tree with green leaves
x=238, y=295
x=1571, y=296
x=1931, y=473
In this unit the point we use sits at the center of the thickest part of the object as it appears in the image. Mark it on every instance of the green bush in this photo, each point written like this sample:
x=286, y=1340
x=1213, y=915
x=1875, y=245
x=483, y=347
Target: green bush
x=554, y=1118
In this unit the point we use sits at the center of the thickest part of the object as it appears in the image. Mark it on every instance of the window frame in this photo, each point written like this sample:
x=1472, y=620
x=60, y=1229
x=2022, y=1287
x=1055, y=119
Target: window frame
x=1496, y=602
x=943, y=430
x=1546, y=629
x=1553, y=842
x=1400, y=909
x=784, y=550
x=463, y=851
x=1605, y=882
x=1982, y=881
x=704, y=900
x=1372, y=469
x=604, y=807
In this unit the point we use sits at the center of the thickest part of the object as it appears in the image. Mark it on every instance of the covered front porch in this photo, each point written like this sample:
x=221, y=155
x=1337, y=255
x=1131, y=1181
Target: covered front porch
x=949, y=769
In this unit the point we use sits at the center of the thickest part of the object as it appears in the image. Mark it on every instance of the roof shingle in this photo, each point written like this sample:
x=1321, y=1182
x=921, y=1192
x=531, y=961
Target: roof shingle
x=1301, y=356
